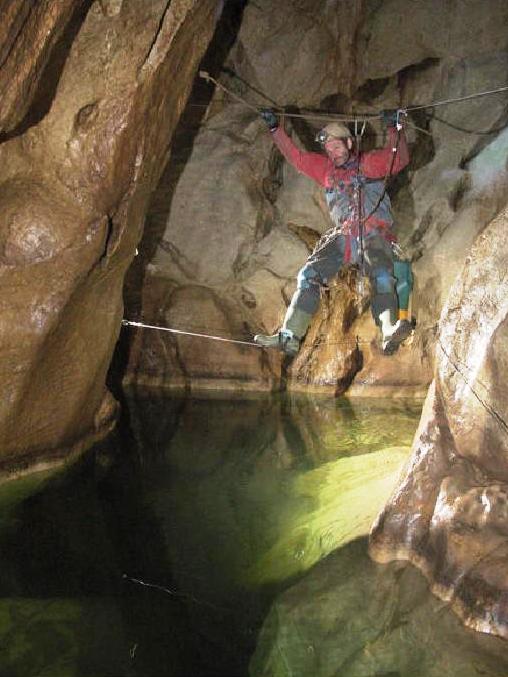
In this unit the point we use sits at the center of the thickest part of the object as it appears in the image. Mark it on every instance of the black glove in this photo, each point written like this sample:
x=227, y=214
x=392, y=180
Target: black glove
x=390, y=117
x=270, y=118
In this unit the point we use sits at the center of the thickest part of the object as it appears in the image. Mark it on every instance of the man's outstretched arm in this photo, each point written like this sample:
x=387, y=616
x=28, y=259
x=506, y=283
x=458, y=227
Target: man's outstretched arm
x=376, y=163
x=313, y=165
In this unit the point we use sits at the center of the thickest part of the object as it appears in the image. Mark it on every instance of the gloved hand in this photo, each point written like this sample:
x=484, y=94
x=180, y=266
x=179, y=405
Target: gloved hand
x=270, y=118
x=392, y=117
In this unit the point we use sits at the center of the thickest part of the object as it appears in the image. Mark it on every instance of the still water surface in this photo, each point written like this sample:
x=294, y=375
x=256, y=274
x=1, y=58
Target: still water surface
x=162, y=551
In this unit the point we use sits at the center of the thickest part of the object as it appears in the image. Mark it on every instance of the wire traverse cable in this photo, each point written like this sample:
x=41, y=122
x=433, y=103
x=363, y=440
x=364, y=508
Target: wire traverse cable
x=349, y=342
x=130, y=323
x=455, y=100
x=317, y=116
x=367, y=117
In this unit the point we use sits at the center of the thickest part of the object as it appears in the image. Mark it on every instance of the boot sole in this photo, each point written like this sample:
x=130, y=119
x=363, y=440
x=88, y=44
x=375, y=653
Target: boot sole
x=392, y=344
x=269, y=345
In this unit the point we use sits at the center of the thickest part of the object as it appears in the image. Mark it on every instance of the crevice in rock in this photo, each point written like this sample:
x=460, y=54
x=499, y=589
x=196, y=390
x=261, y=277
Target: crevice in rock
x=21, y=20
x=274, y=181
x=409, y=73
x=181, y=148
x=50, y=77
x=371, y=89
x=157, y=32
x=334, y=102
x=459, y=191
x=486, y=138
x=178, y=258
x=307, y=235
x=423, y=150
x=107, y=240
x=303, y=129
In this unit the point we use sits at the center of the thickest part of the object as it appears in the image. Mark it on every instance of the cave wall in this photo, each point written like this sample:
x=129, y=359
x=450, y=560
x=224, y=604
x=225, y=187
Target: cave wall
x=93, y=92
x=238, y=223
x=448, y=513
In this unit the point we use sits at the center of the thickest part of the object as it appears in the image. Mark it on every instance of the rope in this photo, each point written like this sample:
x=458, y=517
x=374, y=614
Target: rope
x=361, y=117
x=318, y=116
x=173, y=593
x=349, y=342
x=387, y=175
x=130, y=323
x=445, y=102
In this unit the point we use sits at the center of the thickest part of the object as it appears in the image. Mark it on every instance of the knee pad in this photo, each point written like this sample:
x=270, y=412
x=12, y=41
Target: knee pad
x=404, y=279
x=384, y=283
x=403, y=273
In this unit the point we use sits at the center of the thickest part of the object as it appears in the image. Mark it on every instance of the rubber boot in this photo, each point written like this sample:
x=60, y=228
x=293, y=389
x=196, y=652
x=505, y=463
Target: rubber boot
x=404, y=285
x=290, y=335
x=393, y=334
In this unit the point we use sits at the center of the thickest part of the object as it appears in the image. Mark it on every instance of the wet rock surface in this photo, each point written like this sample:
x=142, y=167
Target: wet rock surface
x=216, y=504
x=76, y=177
x=352, y=617
x=232, y=216
x=448, y=514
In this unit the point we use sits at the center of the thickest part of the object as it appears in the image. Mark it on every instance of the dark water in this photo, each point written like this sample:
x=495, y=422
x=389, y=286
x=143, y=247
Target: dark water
x=161, y=552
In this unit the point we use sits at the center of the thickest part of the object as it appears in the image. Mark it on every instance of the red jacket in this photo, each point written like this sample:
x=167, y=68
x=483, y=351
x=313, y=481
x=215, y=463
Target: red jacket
x=341, y=183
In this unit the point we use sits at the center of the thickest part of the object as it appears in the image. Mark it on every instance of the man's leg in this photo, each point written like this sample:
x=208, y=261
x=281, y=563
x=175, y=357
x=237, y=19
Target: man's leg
x=378, y=256
x=320, y=267
x=404, y=285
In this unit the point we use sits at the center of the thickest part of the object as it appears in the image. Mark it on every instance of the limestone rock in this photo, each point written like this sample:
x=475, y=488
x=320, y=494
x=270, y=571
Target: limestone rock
x=28, y=40
x=406, y=373
x=192, y=362
x=330, y=355
x=215, y=209
x=234, y=209
x=458, y=30
x=301, y=202
x=74, y=191
x=448, y=513
x=352, y=617
x=297, y=52
x=263, y=291
x=268, y=253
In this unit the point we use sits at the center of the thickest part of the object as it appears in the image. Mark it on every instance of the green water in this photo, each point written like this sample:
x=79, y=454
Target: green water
x=221, y=505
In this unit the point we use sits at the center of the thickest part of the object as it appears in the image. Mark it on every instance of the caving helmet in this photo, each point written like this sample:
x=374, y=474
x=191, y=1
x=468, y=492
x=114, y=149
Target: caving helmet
x=335, y=130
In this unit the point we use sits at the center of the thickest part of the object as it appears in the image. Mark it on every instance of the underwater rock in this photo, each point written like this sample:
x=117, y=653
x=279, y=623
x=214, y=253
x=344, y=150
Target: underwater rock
x=448, y=514
x=352, y=617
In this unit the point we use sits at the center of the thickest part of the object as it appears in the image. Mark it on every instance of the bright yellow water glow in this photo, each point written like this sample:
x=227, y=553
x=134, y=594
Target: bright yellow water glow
x=339, y=502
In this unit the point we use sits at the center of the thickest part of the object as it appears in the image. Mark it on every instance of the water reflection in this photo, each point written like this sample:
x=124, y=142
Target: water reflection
x=274, y=484
x=220, y=503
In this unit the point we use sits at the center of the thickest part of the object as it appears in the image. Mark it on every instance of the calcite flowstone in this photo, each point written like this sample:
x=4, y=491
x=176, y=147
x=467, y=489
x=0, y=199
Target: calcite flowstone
x=449, y=513
x=74, y=190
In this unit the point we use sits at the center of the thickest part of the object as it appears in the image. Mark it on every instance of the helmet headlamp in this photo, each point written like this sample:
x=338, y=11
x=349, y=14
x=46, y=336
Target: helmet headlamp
x=322, y=137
